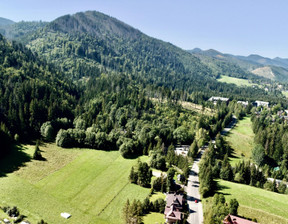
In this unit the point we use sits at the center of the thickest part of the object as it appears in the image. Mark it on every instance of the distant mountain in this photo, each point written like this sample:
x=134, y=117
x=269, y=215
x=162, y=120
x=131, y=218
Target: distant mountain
x=225, y=64
x=5, y=22
x=90, y=44
x=275, y=69
x=265, y=61
x=16, y=31
x=87, y=43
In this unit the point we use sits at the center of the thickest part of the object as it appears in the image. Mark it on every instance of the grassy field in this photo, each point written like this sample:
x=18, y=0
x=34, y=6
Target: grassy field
x=196, y=107
x=190, y=106
x=285, y=93
x=157, y=195
x=90, y=185
x=236, y=81
x=154, y=218
x=241, y=139
x=266, y=206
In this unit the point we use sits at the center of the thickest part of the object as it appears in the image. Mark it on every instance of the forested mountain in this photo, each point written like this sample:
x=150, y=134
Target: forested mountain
x=95, y=75
x=31, y=92
x=17, y=31
x=274, y=69
x=90, y=43
x=220, y=64
x=280, y=62
x=5, y=22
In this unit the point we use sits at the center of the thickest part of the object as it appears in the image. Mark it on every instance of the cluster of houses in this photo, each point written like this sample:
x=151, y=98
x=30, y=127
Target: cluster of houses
x=257, y=103
x=174, y=206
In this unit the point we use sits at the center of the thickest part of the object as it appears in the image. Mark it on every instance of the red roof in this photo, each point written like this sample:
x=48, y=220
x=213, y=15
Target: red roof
x=232, y=219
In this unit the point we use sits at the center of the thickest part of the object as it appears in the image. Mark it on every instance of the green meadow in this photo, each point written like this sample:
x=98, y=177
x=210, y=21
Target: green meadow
x=154, y=218
x=241, y=139
x=91, y=185
x=236, y=81
x=266, y=206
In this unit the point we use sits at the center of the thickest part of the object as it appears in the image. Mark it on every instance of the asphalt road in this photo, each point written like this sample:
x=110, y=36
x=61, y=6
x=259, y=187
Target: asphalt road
x=195, y=209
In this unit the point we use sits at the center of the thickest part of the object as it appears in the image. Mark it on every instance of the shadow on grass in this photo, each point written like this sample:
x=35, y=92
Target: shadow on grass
x=13, y=160
x=233, y=154
x=221, y=188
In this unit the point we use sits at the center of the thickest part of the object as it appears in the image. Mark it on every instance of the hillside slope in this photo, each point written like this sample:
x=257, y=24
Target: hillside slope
x=87, y=44
x=274, y=69
x=32, y=91
x=95, y=41
x=5, y=22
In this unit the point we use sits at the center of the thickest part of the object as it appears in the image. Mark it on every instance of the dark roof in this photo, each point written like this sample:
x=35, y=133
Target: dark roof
x=172, y=213
x=232, y=219
x=174, y=199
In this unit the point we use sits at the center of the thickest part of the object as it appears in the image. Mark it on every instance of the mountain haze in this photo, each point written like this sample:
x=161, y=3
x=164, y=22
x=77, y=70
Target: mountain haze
x=274, y=69
x=5, y=22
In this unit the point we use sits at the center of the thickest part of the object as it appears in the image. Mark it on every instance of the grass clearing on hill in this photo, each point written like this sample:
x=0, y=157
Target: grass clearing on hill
x=91, y=185
x=190, y=106
x=266, y=206
x=241, y=139
x=236, y=81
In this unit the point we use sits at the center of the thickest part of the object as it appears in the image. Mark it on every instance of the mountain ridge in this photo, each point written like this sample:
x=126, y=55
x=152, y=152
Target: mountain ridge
x=5, y=22
x=252, y=63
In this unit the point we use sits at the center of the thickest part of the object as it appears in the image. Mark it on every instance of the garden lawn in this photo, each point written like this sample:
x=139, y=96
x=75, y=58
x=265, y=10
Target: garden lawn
x=157, y=195
x=241, y=139
x=285, y=93
x=91, y=185
x=154, y=218
x=266, y=206
x=236, y=81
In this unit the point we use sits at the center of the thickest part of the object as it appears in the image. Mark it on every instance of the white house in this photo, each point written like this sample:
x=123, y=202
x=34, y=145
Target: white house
x=261, y=103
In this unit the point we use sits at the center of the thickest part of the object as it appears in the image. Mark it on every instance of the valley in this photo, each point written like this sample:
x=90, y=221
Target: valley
x=91, y=108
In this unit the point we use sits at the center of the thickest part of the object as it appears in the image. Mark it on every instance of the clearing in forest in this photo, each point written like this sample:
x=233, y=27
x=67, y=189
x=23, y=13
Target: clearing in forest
x=241, y=139
x=91, y=185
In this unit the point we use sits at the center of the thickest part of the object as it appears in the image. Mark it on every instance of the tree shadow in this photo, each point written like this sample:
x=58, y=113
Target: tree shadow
x=232, y=154
x=15, y=159
x=221, y=188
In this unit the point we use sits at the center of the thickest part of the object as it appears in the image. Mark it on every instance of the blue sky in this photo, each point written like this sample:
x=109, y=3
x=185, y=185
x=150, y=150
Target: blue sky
x=238, y=27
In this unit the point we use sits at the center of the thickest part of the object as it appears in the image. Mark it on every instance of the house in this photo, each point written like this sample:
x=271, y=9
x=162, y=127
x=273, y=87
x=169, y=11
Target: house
x=244, y=103
x=182, y=150
x=172, y=215
x=258, y=103
x=174, y=205
x=232, y=219
x=277, y=181
x=215, y=99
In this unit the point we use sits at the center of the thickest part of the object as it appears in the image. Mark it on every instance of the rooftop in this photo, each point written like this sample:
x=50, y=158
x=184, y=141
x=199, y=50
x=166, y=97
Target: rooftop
x=232, y=219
